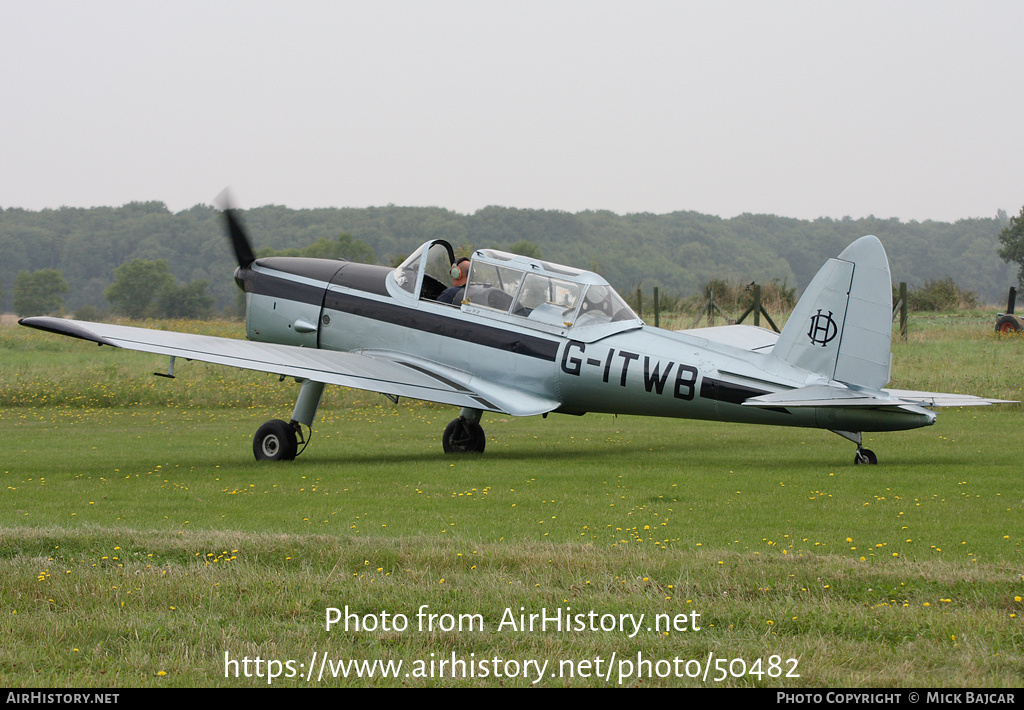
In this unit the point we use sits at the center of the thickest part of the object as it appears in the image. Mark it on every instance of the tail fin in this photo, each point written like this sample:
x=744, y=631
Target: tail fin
x=842, y=326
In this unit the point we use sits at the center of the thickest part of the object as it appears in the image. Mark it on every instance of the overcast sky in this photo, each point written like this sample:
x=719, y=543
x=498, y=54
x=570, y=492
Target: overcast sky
x=803, y=109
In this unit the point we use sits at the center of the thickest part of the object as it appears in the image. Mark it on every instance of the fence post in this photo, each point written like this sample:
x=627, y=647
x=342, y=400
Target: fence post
x=639, y=302
x=903, y=309
x=757, y=304
x=657, y=320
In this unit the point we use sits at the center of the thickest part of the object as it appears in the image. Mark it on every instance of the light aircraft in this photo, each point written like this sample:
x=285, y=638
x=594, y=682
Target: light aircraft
x=529, y=337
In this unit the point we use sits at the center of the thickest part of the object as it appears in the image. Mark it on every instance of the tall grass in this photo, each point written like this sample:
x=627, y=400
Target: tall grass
x=41, y=369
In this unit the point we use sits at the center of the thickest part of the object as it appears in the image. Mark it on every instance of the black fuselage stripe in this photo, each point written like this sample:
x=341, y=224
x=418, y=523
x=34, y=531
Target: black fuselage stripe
x=390, y=312
x=276, y=287
x=727, y=392
x=445, y=326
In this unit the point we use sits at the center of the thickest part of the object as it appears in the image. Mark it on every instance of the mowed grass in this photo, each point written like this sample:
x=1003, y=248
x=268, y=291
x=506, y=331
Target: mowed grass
x=140, y=542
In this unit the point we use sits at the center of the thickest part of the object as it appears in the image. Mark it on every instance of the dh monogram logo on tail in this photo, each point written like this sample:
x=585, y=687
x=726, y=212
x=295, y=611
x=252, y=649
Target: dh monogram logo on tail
x=822, y=329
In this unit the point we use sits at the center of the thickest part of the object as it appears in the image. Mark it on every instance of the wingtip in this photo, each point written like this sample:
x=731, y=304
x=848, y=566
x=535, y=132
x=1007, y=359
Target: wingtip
x=62, y=326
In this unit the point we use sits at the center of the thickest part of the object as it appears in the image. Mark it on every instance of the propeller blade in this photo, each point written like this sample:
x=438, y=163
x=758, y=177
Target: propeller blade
x=239, y=240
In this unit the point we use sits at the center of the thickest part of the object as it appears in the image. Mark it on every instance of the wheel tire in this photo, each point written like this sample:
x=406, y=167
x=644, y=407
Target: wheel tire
x=865, y=456
x=275, y=441
x=1008, y=324
x=462, y=437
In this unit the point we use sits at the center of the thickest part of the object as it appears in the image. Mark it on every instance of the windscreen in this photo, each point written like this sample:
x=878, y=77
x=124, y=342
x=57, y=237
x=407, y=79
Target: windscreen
x=602, y=305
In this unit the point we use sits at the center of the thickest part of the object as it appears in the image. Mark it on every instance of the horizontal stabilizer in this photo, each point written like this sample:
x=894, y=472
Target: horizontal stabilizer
x=942, y=399
x=747, y=337
x=838, y=396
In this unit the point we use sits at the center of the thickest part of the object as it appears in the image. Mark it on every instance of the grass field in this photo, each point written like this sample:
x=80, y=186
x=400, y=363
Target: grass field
x=141, y=544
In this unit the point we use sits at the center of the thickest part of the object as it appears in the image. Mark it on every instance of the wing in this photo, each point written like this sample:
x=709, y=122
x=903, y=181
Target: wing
x=377, y=371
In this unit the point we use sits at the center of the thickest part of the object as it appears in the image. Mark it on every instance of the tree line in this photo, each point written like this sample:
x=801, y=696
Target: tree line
x=678, y=252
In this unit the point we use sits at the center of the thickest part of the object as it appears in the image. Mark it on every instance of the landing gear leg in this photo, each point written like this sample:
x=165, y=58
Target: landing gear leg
x=279, y=441
x=863, y=456
x=464, y=435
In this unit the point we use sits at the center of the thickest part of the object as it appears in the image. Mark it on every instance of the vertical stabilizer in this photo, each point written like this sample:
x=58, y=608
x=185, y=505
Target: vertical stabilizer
x=842, y=326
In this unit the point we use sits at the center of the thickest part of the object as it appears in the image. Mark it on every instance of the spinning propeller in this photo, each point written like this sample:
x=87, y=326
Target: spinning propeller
x=239, y=238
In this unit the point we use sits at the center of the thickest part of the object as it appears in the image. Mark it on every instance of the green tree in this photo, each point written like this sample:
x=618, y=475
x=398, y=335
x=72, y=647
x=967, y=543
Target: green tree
x=137, y=285
x=1012, y=239
x=192, y=300
x=39, y=292
x=527, y=249
x=344, y=247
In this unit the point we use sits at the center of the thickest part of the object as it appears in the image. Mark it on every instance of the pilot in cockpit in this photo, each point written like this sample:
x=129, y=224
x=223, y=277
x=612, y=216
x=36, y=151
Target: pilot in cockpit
x=459, y=273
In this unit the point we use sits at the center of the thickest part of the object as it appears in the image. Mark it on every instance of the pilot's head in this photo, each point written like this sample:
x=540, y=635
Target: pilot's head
x=460, y=270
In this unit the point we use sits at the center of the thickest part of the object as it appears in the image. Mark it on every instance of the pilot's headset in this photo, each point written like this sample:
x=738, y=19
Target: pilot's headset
x=456, y=272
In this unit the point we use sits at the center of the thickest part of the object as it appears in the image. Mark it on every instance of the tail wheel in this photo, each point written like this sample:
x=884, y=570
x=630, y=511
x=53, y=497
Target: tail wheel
x=1008, y=324
x=462, y=437
x=275, y=441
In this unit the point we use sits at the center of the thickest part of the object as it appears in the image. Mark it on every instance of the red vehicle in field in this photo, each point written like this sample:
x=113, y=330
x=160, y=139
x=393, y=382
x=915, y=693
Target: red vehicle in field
x=1008, y=322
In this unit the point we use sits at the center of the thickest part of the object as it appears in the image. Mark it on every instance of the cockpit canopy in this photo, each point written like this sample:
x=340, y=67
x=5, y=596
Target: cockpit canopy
x=541, y=291
x=518, y=289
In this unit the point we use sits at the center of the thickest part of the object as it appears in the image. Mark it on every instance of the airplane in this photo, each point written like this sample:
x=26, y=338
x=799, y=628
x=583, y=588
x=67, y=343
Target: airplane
x=528, y=337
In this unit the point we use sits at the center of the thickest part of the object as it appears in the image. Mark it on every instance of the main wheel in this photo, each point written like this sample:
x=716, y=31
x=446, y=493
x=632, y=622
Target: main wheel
x=275, y=441
x=1007, y=324
x=866, y=456
x=462, y=437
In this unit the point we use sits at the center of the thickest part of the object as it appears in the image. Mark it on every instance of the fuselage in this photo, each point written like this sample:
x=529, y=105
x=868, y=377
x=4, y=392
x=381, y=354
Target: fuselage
x=622, y=366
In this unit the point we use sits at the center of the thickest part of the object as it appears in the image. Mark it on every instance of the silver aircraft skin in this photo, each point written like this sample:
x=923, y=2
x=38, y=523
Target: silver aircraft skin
x=527, y=337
